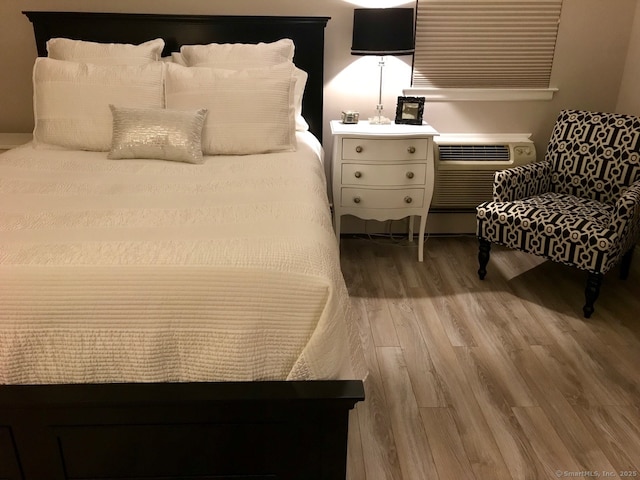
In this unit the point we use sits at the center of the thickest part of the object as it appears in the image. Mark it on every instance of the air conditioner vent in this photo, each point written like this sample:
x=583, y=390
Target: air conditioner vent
x=466, y=163
x=474, y=153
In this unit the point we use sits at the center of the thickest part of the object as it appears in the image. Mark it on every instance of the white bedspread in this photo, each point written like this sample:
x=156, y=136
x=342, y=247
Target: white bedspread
x=146, y=270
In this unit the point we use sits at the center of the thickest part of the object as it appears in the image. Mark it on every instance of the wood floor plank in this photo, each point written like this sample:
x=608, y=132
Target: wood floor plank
x=494, y=338
x=565, y=377
x=549, y=448
x=512, y=441
x=568, y=425
x=617, y=431
x=602, y=329
x=627, y=359
x=382, y=327
x=484, y=456
x=455, y=304
x=459, y=304
x=448, y=452
x=598, y=379
x=595, y=376
x=378, y=445
x=428, y=388
x=350, y=262
x=355, y=455
x=414, y=452
x=378, y=442
x=509, y=314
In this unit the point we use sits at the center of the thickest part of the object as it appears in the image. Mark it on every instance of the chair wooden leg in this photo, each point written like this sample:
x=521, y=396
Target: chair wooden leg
x=625, y=264
x=594, y=280
x=484, y=252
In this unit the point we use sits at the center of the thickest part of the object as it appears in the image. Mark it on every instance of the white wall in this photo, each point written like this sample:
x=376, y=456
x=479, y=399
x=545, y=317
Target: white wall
x=590, y=62
x=629, y=97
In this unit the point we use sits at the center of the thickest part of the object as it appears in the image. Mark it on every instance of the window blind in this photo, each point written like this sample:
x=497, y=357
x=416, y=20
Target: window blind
x=485, y=44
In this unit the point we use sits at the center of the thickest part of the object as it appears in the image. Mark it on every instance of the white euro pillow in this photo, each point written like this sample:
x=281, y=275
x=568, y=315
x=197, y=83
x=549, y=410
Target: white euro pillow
x=250, y=111
x=238, y=56
x=104, y=53
x=71, y=100
x=300, y=78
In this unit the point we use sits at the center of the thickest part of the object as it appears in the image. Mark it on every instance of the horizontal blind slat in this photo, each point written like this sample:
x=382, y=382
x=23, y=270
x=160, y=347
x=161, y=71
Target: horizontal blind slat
x=485, y=43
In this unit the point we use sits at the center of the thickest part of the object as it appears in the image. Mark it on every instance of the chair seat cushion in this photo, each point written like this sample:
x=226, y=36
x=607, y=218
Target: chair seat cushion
x=561, y=227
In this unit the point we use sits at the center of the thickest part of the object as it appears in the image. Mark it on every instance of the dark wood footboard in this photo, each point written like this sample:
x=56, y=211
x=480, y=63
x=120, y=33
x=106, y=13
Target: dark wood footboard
x=243, y=430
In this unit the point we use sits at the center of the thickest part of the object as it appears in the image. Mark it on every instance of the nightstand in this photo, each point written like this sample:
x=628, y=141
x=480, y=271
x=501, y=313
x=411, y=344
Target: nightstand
x=12, y=140
x=383, y=172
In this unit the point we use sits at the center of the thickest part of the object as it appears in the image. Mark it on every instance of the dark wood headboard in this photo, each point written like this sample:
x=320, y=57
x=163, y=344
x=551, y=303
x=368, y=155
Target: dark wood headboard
x=306, y=32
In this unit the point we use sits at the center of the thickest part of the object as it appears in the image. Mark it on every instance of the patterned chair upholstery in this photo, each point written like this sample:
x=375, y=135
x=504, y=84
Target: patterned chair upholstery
x=580, y=206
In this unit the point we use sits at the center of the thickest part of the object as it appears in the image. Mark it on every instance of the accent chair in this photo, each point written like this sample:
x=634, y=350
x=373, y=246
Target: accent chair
x=580, y=206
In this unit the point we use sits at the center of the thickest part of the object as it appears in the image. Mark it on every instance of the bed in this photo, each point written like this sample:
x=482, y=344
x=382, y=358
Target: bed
x=163, y=319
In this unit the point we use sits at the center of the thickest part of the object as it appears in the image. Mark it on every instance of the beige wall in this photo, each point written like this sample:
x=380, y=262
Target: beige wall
x=629, y=97
x=591, y=54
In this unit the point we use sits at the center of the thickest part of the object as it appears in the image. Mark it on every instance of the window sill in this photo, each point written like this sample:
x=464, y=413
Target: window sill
x=481, y=94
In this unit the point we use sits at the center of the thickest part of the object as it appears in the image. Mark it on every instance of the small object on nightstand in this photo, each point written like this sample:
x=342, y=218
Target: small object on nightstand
x=383, y=172
x=350, y=117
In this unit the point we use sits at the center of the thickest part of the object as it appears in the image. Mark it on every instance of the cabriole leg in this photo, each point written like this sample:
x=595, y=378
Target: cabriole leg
x=484, y=252
x=594, y=280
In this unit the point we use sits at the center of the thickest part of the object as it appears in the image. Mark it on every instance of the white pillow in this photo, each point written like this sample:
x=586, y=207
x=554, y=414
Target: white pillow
x=301, y=81
x=104, y=53
x=157, y=133
x=300, y=77
x=238, y=56
x=250, y=111
x=176, y=57
x=71, y=100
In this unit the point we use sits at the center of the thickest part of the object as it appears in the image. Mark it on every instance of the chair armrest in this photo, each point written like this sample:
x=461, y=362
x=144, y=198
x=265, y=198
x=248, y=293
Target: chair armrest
x=521, y=182
x=625, y=221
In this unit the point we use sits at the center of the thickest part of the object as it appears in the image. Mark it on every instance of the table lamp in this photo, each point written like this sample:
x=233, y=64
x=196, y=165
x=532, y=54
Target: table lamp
x=382, y=31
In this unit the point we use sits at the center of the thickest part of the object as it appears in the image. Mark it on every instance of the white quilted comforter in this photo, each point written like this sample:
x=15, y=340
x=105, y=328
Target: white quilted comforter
x=155, y=271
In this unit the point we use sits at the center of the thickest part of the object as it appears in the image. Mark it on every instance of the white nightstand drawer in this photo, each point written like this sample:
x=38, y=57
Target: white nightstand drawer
x=384, y=149
x=387, y=198
x=379, y=175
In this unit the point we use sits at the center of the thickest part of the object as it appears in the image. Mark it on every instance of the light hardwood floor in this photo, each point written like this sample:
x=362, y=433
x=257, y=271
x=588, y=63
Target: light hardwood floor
x=494, y=379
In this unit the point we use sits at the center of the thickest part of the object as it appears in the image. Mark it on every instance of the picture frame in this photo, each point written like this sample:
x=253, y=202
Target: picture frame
x=410, y=110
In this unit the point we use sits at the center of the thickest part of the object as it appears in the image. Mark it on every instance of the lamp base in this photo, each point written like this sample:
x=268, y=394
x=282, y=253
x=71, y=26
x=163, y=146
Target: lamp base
x=379, y=120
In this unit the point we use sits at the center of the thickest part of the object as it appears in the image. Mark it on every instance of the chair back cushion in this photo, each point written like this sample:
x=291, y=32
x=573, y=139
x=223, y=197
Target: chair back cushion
x=594, y=155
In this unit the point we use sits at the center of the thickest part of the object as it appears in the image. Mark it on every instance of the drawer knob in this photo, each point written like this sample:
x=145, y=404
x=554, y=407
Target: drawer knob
x=411, y=149
x=409, y=174
x=359, y=149
x=356, y=199
x=357, y=174
x=408, y=199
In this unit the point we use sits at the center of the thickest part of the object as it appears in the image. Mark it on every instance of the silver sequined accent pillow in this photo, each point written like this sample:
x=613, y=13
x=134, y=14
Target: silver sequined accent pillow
x=156, y=133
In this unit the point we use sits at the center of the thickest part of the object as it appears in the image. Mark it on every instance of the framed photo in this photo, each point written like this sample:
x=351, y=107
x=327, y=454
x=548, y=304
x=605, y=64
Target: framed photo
x=410, y=110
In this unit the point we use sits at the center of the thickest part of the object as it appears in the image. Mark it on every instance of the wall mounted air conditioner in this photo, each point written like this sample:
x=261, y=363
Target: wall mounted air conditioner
x=465, y=164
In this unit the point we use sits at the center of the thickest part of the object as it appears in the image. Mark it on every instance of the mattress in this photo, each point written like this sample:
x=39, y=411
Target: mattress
x=156, y=271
